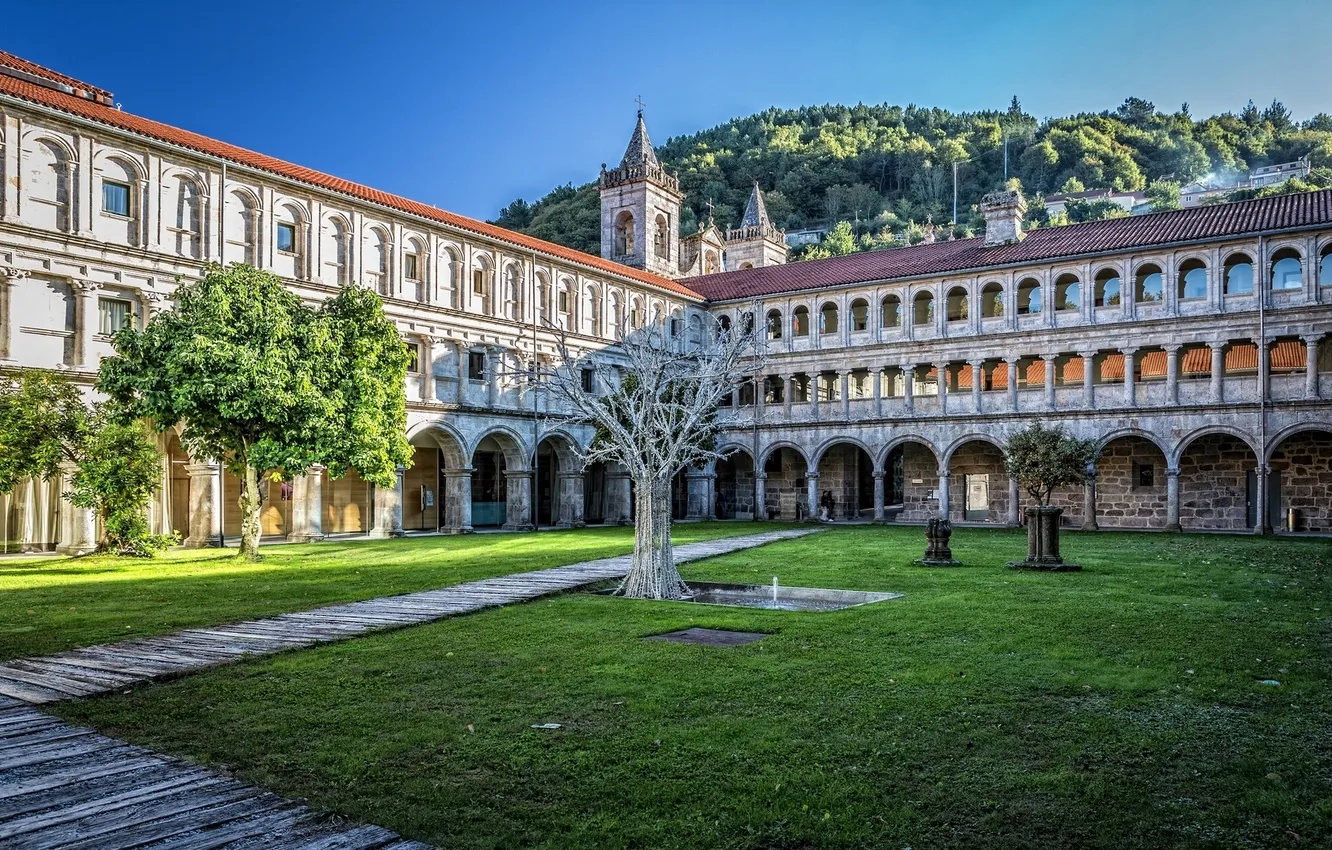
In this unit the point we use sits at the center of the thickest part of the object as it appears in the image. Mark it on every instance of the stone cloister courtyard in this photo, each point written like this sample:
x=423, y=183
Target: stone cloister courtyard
x=1175, y=693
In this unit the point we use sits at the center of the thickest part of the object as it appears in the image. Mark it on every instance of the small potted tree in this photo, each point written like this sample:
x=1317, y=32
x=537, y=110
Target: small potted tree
x=1043, y=459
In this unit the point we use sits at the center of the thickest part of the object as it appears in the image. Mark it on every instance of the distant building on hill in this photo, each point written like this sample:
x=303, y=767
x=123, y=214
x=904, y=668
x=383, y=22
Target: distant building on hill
x=1193, y=194
x=1058, y=203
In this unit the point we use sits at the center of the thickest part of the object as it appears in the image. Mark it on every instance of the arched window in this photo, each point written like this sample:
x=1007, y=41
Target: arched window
x=1325, y=266
x=120, y=207
x=1147, y=285
x=774, y=324
x=992, y=300
x=859, y=315
x=186, y=217
x=922, y=309
x=624, y=234
x=744, y=266
x=957, y=304
x=513, y=287
x=1192, y=284
x=1068, y=292
x=747, y=323
x=46, y=186
x=676, y=326
x=289, y=253
x=1107, y=288
x=334, y=238
x=1287, y=271
x=695, y=330
x=376, y=261
x=636, y=313
x=891, y=310
x=238, y=227
x=1029, y=296
x=800, y=321
x=828, y=319
x=1239, y=275
x=662, y=238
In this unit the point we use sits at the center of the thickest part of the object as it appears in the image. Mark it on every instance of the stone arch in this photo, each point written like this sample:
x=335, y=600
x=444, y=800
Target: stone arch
x=335, y=249
x=992, y=300
x=922, y=308
x=773, y=324
x=1300, y=460
x=827, y=444
x=946, y=456
x=1067, y=292
x=558, y=478
x=1286, y=268
x=517, y=454
x=1237, y=273
x=1218, y=483
x=766, y=453
x=1207, y=431
x=1132, y=482
x=890, y=311
x=904, y=461
x=1108, y=286
x=977, y=481
x=959, y=304
x=734, y=484
x=444, y=437
x=785, y=469
x=378, y=247
x=624, y=234
x=1134, y=432
x=897, y=442
x=1276, y=439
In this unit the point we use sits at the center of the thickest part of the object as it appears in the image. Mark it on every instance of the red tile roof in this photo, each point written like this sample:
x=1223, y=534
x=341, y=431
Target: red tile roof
x=38, y=94
x=1305, y=209
x=18, y=63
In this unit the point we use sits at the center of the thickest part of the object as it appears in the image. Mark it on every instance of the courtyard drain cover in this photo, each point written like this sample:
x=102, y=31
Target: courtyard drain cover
x=710, y=637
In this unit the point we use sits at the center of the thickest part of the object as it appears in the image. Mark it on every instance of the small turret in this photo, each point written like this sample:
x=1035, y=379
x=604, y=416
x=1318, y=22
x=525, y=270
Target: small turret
x=756, y=242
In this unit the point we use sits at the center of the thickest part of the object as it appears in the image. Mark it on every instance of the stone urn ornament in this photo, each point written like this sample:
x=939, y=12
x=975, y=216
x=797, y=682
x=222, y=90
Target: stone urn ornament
x=938, y=530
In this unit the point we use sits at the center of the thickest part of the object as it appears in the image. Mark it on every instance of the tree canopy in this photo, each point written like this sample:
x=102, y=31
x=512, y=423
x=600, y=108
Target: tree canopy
x=1044, y=458
x=886, y=167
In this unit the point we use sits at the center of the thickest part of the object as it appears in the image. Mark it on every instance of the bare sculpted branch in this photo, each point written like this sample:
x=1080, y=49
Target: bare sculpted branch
x=653, y=403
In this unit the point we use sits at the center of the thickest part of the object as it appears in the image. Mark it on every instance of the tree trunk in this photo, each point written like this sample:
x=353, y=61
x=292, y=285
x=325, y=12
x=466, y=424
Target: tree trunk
x=653, y=574
x=249, y=507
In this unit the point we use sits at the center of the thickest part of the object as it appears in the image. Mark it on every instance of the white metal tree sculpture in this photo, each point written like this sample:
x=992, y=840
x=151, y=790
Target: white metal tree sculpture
x=656, y=413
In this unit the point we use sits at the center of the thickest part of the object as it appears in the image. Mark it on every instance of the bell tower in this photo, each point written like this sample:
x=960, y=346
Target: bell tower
x=640, y=209
x=756, y=242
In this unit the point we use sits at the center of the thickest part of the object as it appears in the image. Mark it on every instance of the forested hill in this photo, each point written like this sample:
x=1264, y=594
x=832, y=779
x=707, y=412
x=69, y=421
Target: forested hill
x=886, y=170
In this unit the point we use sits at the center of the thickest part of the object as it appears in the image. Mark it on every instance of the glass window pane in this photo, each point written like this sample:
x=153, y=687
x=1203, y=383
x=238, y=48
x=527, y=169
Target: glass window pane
x=286, y=237
x=115, y=198
x=112, y=314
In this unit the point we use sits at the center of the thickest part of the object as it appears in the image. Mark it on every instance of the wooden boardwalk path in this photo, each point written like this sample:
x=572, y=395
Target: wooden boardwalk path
x=62, y=786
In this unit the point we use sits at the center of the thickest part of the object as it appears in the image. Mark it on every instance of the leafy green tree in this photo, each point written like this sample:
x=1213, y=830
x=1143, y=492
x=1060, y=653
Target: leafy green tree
x=43, y=422
x=119, y=470
x=1044, y=458
x=1071, y=186
x=1093, y=210
x=1163, y=195
x=266, y=385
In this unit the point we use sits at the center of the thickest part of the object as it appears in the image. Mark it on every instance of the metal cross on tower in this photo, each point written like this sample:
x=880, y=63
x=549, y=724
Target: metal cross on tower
x=639, y=101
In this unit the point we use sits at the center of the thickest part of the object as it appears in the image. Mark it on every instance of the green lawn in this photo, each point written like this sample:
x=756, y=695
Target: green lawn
x=1118, y=707
x=49, y=604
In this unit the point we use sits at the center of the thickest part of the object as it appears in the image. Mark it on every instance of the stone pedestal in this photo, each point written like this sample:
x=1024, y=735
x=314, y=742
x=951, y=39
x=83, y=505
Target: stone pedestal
x=698, y=489
x=205, y=513
x=938, y=531
x=1043, y=542
x=518, y=506
x=457, y=501
x=388, y=510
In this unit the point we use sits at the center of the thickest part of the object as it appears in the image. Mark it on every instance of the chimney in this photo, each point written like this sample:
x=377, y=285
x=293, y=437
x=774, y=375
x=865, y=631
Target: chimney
x=1003, y=217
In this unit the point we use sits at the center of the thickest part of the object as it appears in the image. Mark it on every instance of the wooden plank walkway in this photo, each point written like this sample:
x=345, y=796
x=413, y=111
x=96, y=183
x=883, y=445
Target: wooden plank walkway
x=63, y=786
x=108, y=667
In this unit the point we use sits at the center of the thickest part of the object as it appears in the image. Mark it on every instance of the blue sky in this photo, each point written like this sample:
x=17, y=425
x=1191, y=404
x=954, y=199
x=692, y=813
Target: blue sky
x=469, y=105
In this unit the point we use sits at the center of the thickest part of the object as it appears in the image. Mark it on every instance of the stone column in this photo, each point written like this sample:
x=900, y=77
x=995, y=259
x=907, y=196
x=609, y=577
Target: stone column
x=812, y=494
x=9, y=278
x=760, y=495
x=698, y=499
x=977, y=379
x=427, y=367
x=908, y=387
x=814, y=395
x=1088, y=378
x=1172, y=498
x=205, y=525
x=618, y=498
x=1218, y=371
x=492, y=376
x=941, y=381
x=878, y=496
x=462, y=376
x=1130, y=393
x=1264, y=369
x=1050, y=379
x=1311, y=390
x=876, y=378
x=1089, y=505
x=388, y=510
x=518, y=508
x=1014, y=496
x=1172, y=374
x=78, y=526
x=844, y=377
x=1261, y=526
x=457, y=505
x=307, y=506
x=1012, y=364
x=85, y=323
x=943, y=491
x=760, y=390
x=735, y=397
x=571, y=497
x=788, y=384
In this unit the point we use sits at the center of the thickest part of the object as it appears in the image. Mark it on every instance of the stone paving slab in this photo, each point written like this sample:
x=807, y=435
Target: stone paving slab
x=64, y=786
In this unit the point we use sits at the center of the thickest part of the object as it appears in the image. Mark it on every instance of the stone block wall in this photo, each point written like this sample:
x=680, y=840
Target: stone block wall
x=839, y=472
x=735, y=488
x=1213, y=483
x=1121, y=501
x=919, y=501
x=786, y=487
x=1304, y=462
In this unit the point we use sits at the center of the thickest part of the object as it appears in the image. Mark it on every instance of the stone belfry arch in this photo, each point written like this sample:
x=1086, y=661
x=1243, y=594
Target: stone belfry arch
x=640, y=209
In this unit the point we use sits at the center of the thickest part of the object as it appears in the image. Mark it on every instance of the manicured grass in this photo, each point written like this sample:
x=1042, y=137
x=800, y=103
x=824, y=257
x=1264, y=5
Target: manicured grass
x=1118, y=707
x=50, y=604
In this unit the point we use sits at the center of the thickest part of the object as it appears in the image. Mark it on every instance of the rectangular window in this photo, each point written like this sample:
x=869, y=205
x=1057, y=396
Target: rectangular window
x=286, y=238
x=409, y=267
x=1146, y=475
x=113, y=314
x=478, y=282
x=115, y=198
x=564, y=301
x=414, y=350
x=587, y=380
x=476, y=365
